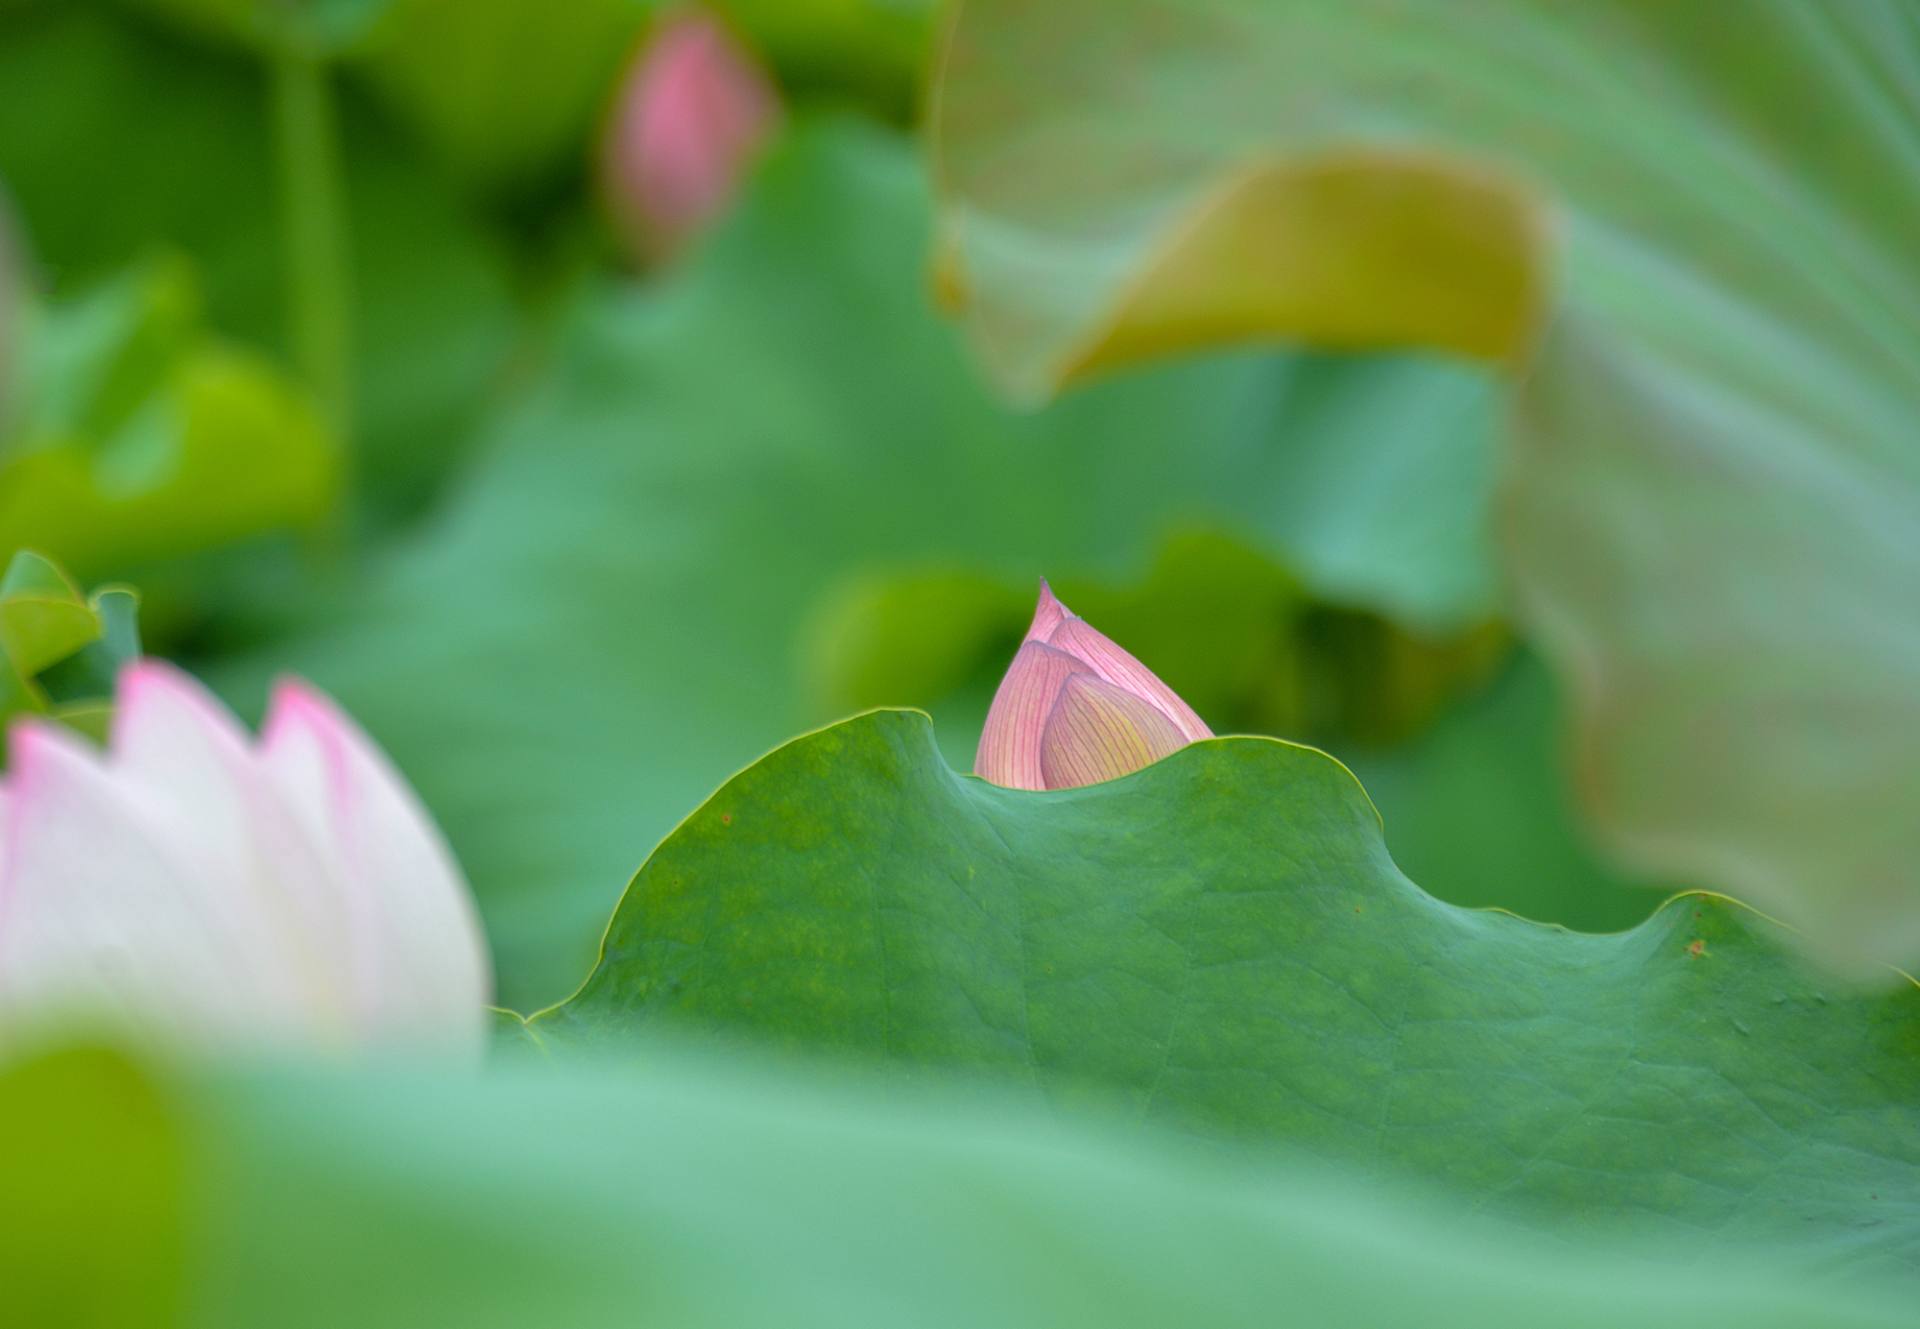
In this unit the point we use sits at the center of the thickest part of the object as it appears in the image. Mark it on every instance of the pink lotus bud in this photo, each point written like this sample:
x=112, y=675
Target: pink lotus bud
x=1075, y=709
x=688, y=120
x=194, y=886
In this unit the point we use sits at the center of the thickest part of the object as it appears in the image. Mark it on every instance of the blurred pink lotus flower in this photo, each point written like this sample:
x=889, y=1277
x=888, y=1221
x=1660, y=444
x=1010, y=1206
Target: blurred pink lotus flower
x=1075, y=709
x=195, y=887
x=691, y=114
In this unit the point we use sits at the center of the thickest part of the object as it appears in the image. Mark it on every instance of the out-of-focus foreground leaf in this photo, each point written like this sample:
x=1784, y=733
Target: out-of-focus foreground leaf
x=92, y=1164
x=138, y=436
x=692, y=1192
x=1222, y=942
x=1714, y=504
x=621, y=607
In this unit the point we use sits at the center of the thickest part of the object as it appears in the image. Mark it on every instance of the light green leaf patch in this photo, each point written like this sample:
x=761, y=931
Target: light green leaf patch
x=138, y=436
x=1221, y=943
x=60, y=651
x=1693, y=231
x=180, y=153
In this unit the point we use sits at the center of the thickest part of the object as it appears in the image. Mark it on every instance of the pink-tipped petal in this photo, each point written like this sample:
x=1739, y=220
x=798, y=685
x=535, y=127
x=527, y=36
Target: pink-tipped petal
x=689, y=119
x=1106, y=659
x=1009, y=752
x=421, y=957
x=1048, y=614
x=103, y=918
x=1098, y=731
x=180, y=753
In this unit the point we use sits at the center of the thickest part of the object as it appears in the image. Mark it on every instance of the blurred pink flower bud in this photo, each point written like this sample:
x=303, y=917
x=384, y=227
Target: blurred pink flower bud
x=196, y=887
x=688, y=119
x=1075, y=709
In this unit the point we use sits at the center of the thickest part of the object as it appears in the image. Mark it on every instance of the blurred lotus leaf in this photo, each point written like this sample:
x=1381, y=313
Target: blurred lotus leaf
x=1700, y=251
x=137, y=436
x=105, y=1243
x=705, y=1193
x=60, y=651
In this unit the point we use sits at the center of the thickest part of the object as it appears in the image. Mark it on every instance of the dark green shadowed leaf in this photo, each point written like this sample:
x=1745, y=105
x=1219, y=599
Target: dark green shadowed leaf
x=1221, y=942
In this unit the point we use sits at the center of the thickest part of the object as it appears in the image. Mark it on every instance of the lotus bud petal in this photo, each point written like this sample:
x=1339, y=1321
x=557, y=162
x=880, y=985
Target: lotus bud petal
x=196, y=887
x=687, y=122
x=1076, y=709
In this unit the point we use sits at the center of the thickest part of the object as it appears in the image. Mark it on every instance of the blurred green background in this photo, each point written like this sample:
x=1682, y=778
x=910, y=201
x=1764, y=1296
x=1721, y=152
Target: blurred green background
x=576, y=539
x=1568, y=501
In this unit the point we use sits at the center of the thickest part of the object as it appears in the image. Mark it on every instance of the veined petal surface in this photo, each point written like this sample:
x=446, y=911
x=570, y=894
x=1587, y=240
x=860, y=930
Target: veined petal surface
x=1009, y=752
x=1098, y=731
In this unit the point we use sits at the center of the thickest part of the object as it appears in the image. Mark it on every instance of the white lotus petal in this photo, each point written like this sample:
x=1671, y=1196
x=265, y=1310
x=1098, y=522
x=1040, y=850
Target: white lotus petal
x=181, y=754
x=415, y=929
x=101, y=917
x=196, y=888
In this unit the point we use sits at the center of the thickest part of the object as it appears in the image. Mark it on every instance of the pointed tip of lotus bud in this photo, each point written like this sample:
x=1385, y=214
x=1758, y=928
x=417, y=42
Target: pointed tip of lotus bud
x=692, y=111
x=1074, y=708
x=1048, y=614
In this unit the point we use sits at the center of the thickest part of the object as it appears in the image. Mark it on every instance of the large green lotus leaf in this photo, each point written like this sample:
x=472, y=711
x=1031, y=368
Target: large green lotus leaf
x=178, y=154
x=1478, y=813
x=696, y=1192
x=624, y=604
x=1221, y=942
x=1714, y=517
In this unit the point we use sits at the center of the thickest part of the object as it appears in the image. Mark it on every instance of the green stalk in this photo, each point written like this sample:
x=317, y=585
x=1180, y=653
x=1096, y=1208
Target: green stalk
x=314, y=230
